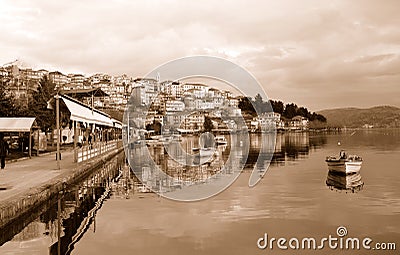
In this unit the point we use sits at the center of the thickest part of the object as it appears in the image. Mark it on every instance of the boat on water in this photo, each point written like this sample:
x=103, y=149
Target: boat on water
x=204, y=152
x=221, y=140
x=162, y=139
x=344, y=163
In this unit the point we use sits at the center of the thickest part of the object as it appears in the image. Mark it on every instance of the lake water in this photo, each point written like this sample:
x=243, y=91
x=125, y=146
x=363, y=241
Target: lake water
x=297, y=198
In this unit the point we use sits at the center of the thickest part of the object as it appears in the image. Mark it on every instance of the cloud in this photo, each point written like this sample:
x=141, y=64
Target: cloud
x=311, y=52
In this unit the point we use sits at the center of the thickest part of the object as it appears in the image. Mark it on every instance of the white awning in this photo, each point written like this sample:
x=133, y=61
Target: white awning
x=16, y=124
x=83, y=113
x=117, y=123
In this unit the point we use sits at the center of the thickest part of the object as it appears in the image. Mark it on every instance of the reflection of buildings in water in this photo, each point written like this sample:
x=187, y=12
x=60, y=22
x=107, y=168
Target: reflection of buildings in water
x=179, y=169
x=349, y=182
x=123, y=187
x=296, y=144
x=72, y=223
x=293, y=145
x=280, y=140
x=263, y=154
x=288, y=146
x=317, y=141
x=268, y=141
x=161, y=171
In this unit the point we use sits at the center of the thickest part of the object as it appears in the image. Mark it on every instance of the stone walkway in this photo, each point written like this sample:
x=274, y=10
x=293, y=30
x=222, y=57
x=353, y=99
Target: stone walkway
x=18, y=177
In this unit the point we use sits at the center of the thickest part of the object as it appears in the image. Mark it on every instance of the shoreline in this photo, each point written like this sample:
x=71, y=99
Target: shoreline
x=18, y=205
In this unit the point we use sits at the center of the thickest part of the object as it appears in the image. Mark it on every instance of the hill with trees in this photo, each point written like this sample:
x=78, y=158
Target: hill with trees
x=379, y=116
x=251, y=106
x=37, y=104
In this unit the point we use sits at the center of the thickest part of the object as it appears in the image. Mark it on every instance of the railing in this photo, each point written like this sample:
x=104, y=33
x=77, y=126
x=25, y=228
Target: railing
x=95, y=149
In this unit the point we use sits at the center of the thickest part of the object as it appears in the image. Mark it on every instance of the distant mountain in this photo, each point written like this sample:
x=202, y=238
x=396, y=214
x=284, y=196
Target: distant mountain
x=379, y=116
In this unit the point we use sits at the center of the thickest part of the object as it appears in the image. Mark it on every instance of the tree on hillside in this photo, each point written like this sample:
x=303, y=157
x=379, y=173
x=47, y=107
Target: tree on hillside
x=8, y=106
x=320, y=117
x=277, y=106
x=259, y=103
x=45, y=118
x=290, y=110
x=302, y=111
x=155, y=126
x=246, y=105
x=208, y=125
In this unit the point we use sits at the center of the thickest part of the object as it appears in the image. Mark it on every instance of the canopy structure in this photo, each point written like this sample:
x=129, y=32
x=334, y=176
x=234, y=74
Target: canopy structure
x=80, y=93
x=19, y=124
x=117, y=123
x=83, y=113
x=16, y=124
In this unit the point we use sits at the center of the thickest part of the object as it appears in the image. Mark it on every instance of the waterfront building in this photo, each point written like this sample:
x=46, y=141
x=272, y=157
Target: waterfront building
x=298, y=123
x=268, y=120
x=193, y=121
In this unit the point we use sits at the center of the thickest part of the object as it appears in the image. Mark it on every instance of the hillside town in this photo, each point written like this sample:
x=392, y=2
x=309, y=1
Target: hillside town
x=170, y=100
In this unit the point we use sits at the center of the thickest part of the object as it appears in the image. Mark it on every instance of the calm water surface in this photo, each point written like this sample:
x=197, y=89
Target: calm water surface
x=292, y=200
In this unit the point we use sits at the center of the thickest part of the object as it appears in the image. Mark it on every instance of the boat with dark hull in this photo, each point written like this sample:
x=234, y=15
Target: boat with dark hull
x=344, y=164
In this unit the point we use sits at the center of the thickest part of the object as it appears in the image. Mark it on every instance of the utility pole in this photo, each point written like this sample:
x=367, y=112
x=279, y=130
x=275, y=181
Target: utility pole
x=92, y=102
x=58, y=129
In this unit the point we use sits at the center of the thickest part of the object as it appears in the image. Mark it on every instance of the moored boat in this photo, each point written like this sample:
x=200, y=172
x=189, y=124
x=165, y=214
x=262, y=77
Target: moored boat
x=344, y=164
x=204, y=152
x=220, y=140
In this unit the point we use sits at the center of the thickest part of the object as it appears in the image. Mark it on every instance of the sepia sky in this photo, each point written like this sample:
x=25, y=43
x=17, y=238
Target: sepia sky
x=320, y=54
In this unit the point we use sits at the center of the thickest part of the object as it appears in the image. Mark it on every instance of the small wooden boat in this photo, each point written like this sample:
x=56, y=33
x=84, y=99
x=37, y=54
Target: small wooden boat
x=344, y=164
x=220, y=140
x=204, y=152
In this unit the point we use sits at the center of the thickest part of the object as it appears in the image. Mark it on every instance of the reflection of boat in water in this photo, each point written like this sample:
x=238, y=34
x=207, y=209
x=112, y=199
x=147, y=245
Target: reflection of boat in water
x=220, y=140
x=163, y=139
x=341, y=181
x=344, y=164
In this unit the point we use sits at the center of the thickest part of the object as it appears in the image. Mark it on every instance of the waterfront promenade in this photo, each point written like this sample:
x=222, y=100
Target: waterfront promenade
x=19, y=177
x=27, y=183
